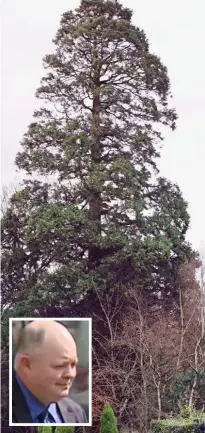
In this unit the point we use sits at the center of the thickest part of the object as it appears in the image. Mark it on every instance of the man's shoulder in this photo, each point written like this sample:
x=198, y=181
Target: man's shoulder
x=68, y=405
x=69, y=402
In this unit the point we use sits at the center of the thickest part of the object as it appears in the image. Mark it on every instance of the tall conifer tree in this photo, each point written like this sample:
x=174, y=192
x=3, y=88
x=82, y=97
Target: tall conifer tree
x=93, y=210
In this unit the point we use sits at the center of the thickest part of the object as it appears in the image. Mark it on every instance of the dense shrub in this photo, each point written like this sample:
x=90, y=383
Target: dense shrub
x=175, y=426
x=45, y=429
x=58, y=429
x=108, y=421
x=64, y=429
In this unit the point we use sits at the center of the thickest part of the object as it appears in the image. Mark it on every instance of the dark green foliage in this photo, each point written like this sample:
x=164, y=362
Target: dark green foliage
x=95, y=213
x=108, y=421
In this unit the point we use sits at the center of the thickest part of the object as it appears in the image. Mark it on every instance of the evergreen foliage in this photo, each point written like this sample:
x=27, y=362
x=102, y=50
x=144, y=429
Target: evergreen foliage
x=93, y=211
x=108, y=421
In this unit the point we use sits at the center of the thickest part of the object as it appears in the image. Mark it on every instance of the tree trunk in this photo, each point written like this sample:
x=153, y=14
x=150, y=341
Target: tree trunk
x=159, y=400
x=95, y=202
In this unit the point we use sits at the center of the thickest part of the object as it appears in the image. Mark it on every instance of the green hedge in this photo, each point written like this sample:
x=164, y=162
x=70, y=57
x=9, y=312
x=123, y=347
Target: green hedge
x=175, y=426
x=45, y=429
x=64, y=429
x=58, y=429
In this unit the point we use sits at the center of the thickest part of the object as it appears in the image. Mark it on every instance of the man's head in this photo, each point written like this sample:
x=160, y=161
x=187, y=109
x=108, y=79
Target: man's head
x=46, y=360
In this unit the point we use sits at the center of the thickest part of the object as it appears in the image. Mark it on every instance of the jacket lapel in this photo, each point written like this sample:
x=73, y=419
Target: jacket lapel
x=67, y=413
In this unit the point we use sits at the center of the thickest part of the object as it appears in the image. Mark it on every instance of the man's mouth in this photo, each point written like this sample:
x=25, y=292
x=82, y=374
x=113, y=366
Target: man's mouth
x=65, y=385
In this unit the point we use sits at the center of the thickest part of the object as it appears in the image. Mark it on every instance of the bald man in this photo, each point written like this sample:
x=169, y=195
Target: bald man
x=44, y=369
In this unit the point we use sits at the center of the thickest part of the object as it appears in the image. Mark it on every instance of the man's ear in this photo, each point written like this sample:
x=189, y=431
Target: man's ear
x=25, y=362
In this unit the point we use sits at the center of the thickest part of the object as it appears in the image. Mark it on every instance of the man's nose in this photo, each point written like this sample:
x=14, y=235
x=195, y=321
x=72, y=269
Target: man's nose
x=70, y=372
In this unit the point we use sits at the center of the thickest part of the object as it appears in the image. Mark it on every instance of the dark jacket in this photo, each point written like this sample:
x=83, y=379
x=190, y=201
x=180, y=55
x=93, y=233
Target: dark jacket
x=69, y=409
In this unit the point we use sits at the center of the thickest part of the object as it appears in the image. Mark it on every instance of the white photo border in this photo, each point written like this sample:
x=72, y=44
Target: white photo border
x=65, y=319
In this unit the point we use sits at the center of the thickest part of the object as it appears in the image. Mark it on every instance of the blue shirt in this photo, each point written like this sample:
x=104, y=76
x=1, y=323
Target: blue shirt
x=51, y=412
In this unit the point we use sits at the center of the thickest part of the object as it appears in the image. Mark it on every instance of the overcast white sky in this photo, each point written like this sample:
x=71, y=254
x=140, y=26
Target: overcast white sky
x=176, y=32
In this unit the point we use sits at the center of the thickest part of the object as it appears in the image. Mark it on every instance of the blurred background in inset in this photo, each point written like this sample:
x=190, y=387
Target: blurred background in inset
x=80, y=389
x=80, y=331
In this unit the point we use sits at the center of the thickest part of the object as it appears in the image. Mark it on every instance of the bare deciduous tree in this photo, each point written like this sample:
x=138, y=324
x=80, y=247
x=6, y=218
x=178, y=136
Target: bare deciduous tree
x=192, y=313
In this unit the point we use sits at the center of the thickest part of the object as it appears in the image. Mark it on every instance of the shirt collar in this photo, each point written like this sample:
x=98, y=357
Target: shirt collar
x=35, y=407
x=53, y=410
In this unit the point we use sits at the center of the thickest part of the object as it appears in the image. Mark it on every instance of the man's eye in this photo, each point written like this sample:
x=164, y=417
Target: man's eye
x=73, y=365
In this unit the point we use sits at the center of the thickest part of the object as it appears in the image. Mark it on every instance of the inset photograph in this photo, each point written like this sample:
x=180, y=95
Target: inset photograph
x=50, y=371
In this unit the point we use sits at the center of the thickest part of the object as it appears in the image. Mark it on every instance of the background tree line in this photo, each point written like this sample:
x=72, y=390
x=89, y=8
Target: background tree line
x=95, y=231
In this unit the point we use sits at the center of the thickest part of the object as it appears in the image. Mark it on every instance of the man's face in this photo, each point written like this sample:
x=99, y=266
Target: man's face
x=52, y=370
